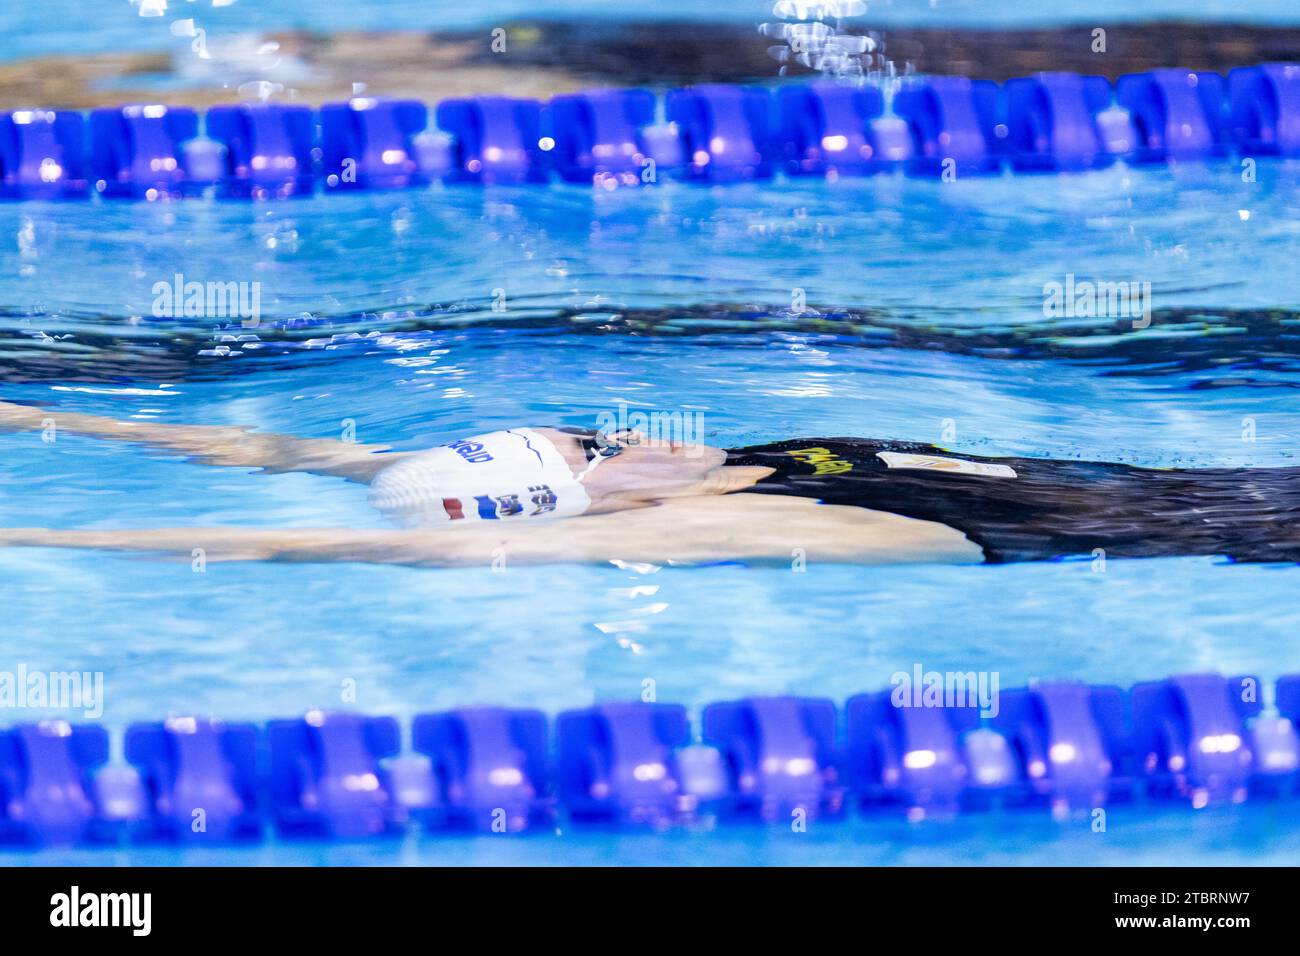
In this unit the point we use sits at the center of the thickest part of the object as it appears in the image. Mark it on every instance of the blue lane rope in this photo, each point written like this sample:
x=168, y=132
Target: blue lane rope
x=935, y=126
x=931, y=746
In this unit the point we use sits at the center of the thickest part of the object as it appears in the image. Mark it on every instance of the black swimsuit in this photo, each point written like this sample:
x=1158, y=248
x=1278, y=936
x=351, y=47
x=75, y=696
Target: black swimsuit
x=1051, y=508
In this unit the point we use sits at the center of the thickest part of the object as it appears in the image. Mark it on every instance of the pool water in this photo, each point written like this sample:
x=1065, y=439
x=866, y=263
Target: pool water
x=378, y=310
x=29, y=28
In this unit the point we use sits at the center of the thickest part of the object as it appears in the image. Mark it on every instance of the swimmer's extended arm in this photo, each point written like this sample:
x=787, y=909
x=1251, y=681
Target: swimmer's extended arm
x=237, y=544
x=213, y=444
x=739, y=527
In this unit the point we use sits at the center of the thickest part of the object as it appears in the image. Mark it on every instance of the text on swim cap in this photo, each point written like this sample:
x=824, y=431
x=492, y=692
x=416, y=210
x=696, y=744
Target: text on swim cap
x=472, y=451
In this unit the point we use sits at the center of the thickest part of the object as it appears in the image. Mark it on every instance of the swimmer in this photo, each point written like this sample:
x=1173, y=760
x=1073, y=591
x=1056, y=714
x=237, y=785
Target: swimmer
x=545, y=495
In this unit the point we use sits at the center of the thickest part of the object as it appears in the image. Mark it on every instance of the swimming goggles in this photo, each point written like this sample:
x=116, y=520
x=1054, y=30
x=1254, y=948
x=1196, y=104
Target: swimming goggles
x=599, y=447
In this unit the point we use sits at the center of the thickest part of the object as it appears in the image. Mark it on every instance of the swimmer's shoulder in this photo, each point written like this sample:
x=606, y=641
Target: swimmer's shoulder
x=780, y=528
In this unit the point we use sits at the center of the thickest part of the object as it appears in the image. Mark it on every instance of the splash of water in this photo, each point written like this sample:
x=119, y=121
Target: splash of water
x=817, y=35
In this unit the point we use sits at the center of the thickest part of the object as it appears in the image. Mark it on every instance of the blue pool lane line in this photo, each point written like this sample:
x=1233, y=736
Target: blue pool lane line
x=938, y=125
x=1194, y=740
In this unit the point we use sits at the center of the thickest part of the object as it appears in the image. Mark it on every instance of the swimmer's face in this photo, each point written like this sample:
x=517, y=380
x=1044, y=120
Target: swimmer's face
x=633, y=464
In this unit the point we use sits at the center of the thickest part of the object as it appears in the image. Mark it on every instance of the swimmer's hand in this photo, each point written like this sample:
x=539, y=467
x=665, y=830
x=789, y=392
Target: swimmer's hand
x=20, y=417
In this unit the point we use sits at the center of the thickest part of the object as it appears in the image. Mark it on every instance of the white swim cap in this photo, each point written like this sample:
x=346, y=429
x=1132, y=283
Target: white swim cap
x=508, y=475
